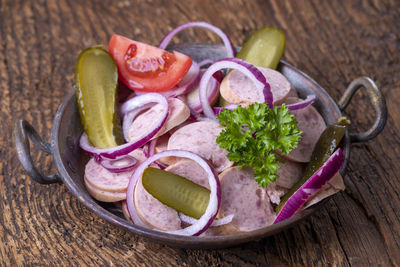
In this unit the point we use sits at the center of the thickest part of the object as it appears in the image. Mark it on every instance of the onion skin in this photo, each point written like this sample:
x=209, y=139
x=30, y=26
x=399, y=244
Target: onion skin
x=311, y=186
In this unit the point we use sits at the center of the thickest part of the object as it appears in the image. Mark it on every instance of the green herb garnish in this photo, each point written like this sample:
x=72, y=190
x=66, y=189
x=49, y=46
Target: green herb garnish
x=253, y=135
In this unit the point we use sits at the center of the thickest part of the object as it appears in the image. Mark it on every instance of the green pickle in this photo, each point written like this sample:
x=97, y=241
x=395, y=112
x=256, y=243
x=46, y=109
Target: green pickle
x=96, y=80
x=176, y=191
x=326, y=145
x=264, y=48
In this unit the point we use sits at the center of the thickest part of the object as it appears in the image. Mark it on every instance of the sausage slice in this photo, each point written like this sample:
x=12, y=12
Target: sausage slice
x=102, y=179
x=102, y=195
x=311, y=123
x=238, y=88
x=243, y=197
x=178, y=113
x=200, y=138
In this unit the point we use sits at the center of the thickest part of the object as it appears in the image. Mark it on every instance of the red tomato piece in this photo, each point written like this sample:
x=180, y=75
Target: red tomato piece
x=148, y=68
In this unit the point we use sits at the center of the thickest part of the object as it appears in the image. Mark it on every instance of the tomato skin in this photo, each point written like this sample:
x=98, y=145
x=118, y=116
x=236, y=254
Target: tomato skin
x=162, y=81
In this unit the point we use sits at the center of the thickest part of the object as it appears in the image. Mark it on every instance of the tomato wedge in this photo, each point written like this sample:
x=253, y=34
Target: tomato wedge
x=147, y=68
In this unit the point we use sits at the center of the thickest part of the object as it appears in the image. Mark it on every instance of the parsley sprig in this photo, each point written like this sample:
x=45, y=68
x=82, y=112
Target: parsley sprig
x=254, y=134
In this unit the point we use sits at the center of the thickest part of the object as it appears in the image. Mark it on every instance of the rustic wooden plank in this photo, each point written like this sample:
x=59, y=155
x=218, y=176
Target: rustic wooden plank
x=334, y=42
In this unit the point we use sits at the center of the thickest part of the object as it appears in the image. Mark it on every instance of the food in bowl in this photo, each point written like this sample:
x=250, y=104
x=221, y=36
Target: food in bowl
x=188, y=168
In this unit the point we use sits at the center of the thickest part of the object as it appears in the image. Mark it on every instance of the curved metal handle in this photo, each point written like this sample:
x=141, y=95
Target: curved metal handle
x=377, y=100
x=22, y=131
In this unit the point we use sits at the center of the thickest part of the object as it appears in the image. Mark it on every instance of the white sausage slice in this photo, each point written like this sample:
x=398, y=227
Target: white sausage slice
x=178, y=113
x=311, y=123
x=104, y=180
x=105, y=196
x=200, y=138
x=242, y=197
x=154, y=213
x=237, y=88
x=190, y=170
x=289, y=174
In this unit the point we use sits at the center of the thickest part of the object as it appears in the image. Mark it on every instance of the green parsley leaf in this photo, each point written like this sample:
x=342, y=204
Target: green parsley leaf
x=252, y=136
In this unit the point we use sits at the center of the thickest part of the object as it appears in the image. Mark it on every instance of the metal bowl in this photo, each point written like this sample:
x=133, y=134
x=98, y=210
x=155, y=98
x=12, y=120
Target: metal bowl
x=70, y=159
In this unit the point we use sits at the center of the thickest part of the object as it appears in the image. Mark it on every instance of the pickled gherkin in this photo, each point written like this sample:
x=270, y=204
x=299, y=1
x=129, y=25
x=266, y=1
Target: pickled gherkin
x=96, y=80
x=264, y=48
x=176, y=191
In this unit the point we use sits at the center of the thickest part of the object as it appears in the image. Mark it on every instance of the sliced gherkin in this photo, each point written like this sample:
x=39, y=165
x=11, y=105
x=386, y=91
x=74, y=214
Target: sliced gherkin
x=264, y=48
x=96, y=80
x=176, y=191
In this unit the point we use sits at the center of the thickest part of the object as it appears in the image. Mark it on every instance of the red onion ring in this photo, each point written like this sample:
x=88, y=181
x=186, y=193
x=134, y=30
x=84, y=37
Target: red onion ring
x=230, y=50
x=311, y=186
x=193, y=99
x=190, y=220
x=215, y=196
x=120, y=164
x=186, y=85
x=130, y=109
x=205, y=62
x=151, y=150
x=218, y=110
x=302, y=104
x=263, y=88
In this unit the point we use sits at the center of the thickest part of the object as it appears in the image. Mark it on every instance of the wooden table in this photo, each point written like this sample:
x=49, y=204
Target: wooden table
x=332, y=41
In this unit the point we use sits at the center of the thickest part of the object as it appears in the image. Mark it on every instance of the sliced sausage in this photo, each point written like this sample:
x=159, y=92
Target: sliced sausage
x=104, y=196
x=238, y=88
x=289, y=173
x=333, y=186
x=178, y=113
x=154, y=213
x=193, y=99
x=200, y=138
x=125, y=211
x=311, y=123
x=190, y=170
x=293, y=92
x=104, y=180
x=243, y=197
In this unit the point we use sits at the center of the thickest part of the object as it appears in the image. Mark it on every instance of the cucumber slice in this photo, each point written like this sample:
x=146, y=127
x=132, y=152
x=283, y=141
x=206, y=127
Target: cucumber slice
x=176, y=191
x=96, y=80
x=264, y=48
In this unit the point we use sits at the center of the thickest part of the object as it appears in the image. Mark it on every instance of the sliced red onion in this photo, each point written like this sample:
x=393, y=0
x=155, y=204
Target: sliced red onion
x=136, y=105
x=263, y=88
x=215, y=196
x=311, y=186
x=302, y=104
x=186, y=85
x=120, y=164
x=151, y=149
x=230, y=50
x=205, y=62
x=193, y=99
x=218, y=110
x=131, y=109
x=190, y=220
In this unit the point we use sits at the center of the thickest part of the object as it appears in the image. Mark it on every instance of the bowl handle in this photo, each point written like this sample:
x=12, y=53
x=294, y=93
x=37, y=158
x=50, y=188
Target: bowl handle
x=377, y=100
x=22, y=131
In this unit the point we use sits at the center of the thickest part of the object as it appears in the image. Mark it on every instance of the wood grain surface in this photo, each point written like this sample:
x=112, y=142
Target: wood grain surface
x=332, y=41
